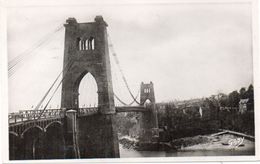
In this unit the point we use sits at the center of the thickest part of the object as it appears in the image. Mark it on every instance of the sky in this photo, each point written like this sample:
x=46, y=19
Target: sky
x=188, y=50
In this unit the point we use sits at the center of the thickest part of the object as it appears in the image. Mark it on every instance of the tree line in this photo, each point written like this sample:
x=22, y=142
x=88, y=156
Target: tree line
x=232, y=99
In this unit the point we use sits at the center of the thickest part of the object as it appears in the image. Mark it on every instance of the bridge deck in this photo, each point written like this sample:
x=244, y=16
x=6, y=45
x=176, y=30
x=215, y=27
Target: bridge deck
x=131, y=109
x=37, y=115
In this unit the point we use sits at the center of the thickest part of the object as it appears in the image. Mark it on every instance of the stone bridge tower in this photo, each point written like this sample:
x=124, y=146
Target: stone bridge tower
x=86, y=51
x=147, y=93
x=149, y=122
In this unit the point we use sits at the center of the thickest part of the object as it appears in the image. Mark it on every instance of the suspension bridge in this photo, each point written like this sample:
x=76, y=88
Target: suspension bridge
x=72, y=131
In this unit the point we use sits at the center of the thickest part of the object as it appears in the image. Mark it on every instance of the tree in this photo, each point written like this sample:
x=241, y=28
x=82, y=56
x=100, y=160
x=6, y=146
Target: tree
x=234, y=99
x=223, y=100
x=242, y=93
x=250, y=96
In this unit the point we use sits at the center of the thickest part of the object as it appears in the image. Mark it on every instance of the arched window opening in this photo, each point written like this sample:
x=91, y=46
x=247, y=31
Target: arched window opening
x=86, y=44
x=91, y=43
x=147, y=90
x=88, y=96
x=83, y=44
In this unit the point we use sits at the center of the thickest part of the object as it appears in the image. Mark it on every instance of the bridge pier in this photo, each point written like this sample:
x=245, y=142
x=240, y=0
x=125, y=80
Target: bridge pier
x=92, y=136
x=149, y=126
x=149, y=122
x=98, y=136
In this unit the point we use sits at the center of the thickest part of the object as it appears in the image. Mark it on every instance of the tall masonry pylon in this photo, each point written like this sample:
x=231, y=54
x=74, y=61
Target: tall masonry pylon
x=86, y=51
x=149, y=123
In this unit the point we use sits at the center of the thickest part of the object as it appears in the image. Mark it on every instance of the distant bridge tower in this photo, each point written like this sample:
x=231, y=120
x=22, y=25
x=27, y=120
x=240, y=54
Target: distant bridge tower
x=86, y=51
x=147, y=93
x=149, y=121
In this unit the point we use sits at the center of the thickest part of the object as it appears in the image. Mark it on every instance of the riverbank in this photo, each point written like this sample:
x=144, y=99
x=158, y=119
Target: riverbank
x=133, y=143
x=201, y=142
x=128, y=142
x=223, y=142
x=189, y=141
x=212, y=146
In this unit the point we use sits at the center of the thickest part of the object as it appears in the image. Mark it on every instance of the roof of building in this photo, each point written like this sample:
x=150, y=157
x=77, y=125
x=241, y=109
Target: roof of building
x=243, y=101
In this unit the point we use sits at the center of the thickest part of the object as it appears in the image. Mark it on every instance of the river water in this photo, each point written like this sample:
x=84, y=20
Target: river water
x=206, y=149
x=124, y=153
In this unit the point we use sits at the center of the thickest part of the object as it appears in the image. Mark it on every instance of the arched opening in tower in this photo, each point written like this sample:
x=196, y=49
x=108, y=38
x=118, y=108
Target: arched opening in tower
x=88, y=96
x=147, y=102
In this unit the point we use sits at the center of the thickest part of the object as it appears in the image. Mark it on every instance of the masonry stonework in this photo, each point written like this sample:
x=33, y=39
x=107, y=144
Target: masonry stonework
x=86, y=51
x=149, y=122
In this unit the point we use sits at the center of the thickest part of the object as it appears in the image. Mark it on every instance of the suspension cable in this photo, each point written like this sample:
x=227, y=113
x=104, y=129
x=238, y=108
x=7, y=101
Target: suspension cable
x=42, y=111
x=53, y=93
x=122, y=102
x=20, y=58
x=135, y=98
x=39, y=104
x=35, y=45
x=65, y=74
x=117, y=81
x=120, y=69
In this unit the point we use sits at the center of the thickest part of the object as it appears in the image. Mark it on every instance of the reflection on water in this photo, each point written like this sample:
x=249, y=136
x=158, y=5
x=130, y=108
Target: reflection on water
x=124, y=153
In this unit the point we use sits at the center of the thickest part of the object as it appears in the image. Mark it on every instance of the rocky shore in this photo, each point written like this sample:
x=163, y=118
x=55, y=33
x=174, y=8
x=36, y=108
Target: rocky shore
x=128, y=142
x=201, y=142
x=189, y=141
x=133, y=143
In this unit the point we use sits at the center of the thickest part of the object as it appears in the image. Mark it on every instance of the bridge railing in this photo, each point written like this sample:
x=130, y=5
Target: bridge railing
x=87, y=111
x=28, y=115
